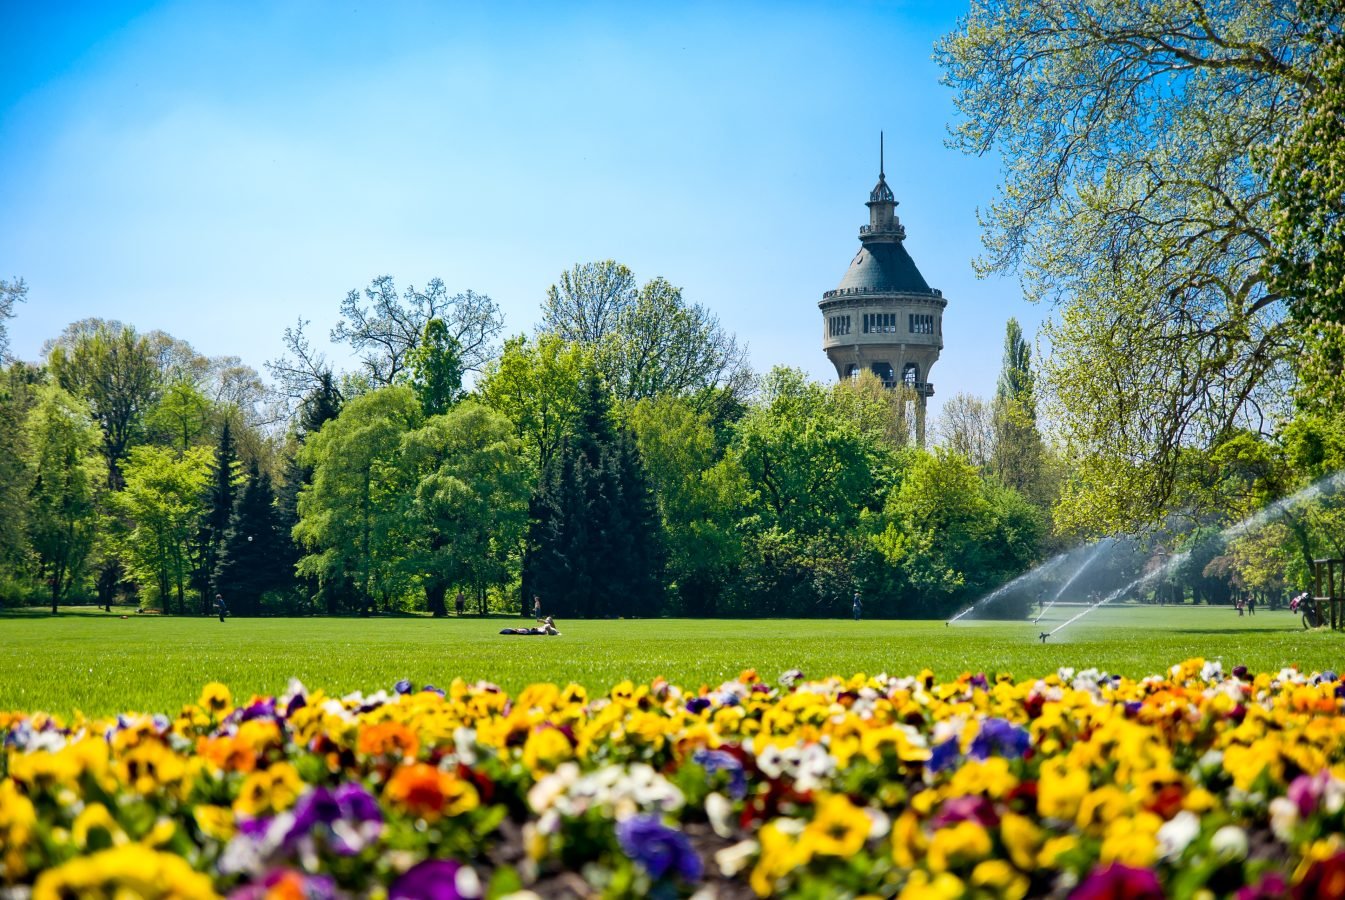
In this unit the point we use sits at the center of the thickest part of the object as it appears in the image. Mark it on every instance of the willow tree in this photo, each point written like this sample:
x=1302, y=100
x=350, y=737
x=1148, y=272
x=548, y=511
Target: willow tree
x=1134, y=139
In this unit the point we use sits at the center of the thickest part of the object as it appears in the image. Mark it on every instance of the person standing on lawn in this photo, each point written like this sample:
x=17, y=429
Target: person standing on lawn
x=460, y=604
x=537, y=607
x=858, y=607
x=220, y=607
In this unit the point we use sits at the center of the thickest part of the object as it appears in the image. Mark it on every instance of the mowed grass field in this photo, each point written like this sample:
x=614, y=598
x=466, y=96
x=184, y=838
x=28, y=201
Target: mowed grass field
x=101, y=663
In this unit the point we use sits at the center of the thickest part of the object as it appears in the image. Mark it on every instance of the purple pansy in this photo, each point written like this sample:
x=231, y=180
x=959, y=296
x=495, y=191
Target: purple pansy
x=1119, y=882
x=350, y=805
x=436, y=879
x=718, y=761
x=661, y=850
x=944, y=755
x=697, y=705
x=1001, y=737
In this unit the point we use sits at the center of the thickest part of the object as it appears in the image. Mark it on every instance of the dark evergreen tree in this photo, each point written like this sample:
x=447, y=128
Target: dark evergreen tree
x=252, y=560
x=321, y=405
x=219, y=508
x=594, y=544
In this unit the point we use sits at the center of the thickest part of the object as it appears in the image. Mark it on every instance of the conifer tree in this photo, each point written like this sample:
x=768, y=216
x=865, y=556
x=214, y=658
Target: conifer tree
x=252, y=554
x=594, y=540
x=219, y=508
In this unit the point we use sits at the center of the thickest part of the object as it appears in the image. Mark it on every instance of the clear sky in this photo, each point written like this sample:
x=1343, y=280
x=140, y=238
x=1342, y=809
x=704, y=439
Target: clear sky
x=217, y=170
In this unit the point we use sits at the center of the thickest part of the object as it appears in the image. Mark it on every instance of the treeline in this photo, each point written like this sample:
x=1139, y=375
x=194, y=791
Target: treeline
x=621, y=460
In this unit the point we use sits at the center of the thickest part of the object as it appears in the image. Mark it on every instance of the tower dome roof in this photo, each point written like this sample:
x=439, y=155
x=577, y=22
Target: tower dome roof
x=884, y=267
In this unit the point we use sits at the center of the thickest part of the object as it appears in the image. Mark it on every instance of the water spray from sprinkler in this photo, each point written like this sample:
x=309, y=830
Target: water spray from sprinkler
x=1087, y=561
x=1031, y=573
x=1335, y=480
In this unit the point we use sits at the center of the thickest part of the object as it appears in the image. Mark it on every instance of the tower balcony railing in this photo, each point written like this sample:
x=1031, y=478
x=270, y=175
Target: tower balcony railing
x=895, y=228
x=919, y=388
x=846, y=292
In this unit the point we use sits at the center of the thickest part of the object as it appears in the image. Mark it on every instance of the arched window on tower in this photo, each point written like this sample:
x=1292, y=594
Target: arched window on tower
x=884, y=372
x=852, y=371
x=910, y=376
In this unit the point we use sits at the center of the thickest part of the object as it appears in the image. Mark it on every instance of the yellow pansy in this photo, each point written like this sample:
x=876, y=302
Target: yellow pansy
x=839, y=828
x=1000, y=878
x=959, y=844
x=130, y=871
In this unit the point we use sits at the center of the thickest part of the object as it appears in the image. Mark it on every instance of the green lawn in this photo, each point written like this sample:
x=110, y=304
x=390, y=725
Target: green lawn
x=102, y=663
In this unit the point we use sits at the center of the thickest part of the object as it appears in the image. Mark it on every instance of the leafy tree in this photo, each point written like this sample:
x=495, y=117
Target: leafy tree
x=470, y=485
x=647, y=340
x=67, y=477
x=18, y=384
x=181, y=415
x=585, y=306
x=697, y=498
x=966, y=427
x=1132, y=137
x=435, y=367
x=538, y=384
x=115, y=371
x=950, y=536
x=352, y=518
x=252, y=558
x=163, y=504
x=812, y=475
x=11, y=292
x=1017, y=458
x=385, y=330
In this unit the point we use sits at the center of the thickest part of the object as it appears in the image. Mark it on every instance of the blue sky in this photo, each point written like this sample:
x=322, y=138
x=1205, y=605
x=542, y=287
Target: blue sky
x=219, y=170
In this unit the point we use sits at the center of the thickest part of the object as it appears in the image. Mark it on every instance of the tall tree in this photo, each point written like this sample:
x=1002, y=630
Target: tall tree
x=594, y=542
x=470, y=484
x=1308, y=185
x=252, y=558
x=353, y=518
x=435, y=367
x=11, y=292
x=966, y=427
x=1132, y=137
x=646, y=339
x=696, y=498
x=18, y=391
x=1017, y=457
x=162, y=505
x=115, y=371
x=538, y=384
x=587, y=303
x=67, y=476
x=220, y=501
x=383, y=329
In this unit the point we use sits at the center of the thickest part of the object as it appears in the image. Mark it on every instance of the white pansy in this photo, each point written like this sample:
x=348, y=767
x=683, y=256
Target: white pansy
x=1177, y=833
x=720, y=813
x=1229, y=843
x=1283, y=818
x=732, y=860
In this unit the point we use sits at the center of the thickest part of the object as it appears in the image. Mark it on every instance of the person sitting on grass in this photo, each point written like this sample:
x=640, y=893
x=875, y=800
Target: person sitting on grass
x=546, y=627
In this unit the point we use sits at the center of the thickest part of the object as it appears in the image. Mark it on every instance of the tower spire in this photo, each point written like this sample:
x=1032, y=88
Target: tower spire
x=880, y=154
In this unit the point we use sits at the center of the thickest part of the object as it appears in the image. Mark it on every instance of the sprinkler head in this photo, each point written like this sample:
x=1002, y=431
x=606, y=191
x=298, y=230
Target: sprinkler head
x=1044, y=635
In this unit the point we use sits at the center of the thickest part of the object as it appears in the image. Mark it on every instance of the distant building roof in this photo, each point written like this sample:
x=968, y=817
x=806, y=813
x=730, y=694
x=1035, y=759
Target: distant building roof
x=884, y=266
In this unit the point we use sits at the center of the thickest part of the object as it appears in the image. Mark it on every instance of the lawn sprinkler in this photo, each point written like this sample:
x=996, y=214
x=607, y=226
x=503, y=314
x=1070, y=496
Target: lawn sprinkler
x=1043, y=636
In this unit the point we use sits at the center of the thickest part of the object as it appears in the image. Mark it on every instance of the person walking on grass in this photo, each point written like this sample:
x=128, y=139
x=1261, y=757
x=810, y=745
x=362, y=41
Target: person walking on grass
x=460, y=604
x=220, y=607
x=537, y=607
x=858, y=607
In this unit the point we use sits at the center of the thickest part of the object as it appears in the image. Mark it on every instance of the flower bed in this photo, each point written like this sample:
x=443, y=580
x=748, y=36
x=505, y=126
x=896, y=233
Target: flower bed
x=1196, y=783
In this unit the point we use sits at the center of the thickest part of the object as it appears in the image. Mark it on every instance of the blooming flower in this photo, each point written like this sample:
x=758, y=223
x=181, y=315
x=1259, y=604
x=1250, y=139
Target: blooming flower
x=661, y=850
x=436, y=879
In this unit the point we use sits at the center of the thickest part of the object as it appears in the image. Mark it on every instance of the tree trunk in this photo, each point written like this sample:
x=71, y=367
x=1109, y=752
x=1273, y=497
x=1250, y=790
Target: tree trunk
x=435, y=591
